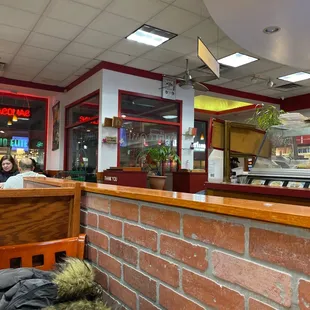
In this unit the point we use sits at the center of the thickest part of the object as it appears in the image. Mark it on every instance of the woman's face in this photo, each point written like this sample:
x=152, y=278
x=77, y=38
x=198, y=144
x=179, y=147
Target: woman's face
x=7, y=165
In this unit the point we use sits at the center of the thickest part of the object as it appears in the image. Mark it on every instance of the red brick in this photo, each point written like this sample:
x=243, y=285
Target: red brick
x=190, y=254
x=210, y=293
x=97, y=238
x=144, y=237
x=222, y=234
x=110, y=264
x=171, y=300
x=111, y=226
x=125, y=210
x=96, y=202
x=303, y=295
x=163, y=219
x=146, y=305
x=83, y=217
x=285, y=250
x=256, y=278
x=160, y=268
x=92, y=219
x=127, y=296
x=257, y=305
x=140, y=282
x=126, y=252
x=101, y=278
x=92, y=254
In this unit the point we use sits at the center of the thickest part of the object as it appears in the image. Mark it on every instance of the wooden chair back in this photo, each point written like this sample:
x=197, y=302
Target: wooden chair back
x=41, y=255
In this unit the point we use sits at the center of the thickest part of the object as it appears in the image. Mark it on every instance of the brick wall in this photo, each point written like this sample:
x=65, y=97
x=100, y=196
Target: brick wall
x=151, y=257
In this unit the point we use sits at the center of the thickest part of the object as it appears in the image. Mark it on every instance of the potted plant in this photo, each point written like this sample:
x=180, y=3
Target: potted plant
x=155, y=159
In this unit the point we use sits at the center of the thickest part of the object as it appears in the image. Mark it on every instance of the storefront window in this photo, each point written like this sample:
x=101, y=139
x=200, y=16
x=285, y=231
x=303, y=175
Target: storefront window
x=23, y=127
x=200, y=142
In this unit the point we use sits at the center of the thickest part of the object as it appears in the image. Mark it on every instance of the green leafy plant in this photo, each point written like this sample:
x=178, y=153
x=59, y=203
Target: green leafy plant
x=156, y=157
x=265, y=117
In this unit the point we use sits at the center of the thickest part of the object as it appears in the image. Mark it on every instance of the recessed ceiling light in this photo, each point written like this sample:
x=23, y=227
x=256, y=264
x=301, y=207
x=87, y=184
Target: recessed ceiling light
x=271, y=29
x=295, y=77
x=151, y=36
x=236, y=60
x=123, y=116
x=170, y=116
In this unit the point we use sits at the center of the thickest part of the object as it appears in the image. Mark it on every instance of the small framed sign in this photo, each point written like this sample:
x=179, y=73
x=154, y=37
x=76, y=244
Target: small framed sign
x=117, y=122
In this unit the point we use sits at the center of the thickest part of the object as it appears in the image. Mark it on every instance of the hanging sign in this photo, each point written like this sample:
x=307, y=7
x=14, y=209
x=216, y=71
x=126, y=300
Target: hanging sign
x=11, y=111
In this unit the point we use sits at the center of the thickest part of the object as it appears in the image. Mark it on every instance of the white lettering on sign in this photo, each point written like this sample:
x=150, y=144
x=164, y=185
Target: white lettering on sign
x=110, y=179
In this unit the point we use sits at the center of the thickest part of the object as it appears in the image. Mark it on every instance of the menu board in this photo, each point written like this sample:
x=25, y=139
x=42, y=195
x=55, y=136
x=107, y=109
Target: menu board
x=276, y=183
x=296, y=184
x=258, y=182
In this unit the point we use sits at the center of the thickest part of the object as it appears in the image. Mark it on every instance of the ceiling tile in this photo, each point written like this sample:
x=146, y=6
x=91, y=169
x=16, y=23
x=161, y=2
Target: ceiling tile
x=100, y=4
x=29, y=62
x=36, y=53
x=33, y=6
x=17, y=18
x=181, y=45
x=169, y=70
x=207, y=30
x=195, y=6
x=139, y=10
x=92, y=64
x=18, y=76
x=217, y=51
x=97, y=38
x=114, y=24
x=71, y=60
x=169, y=1
x=131, y=48
x=13, y=34
x=51, y=43
x=254, y=88
x=8, y=47
x=71, y=12
x=61, y=68
x=175, y=20
x=23, y=70
x=193, y=62
x=234, y=85
x=82, y=50
x=144, y=64
x=67, y=81
x=219, y=81
x=118, y=58
x=53, y=75
x=42, y=80
x=57, y=28
x=161, y=55
x=273, y=93
x=229, y=44
x=6, y=58
x=282, y=71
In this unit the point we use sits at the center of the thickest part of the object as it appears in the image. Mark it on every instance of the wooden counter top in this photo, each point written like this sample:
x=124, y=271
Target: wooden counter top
x=293, y=215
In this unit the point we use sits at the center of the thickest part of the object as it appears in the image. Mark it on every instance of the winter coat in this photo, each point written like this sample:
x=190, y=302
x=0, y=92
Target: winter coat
x=71, y=286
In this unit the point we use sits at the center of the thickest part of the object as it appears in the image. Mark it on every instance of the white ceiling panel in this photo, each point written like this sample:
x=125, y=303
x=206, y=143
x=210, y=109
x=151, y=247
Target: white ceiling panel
x=219, y=81
x=71, y=60
x=92, y=64
x=169, y=70
x=6, y=58
x=17, y=18
x=175, y=20
x=67, y=81
x=229, y=45
x=255, y=87
x=37, y=53
x=18, y=76
x=61, y=68
x=97, y=38
x=282, y=71
x=144, y=64
x=139, y=10
x=33, y=6
x=118, y=58
x=57, y=28
x=218, y=52
x=29, y=62
x=234, y=85
x=71, y=12
x=100, y=4
x=9, y=47
x=161, y=55
x=48, y=42
x=42, y=80
x=181, y=45
x=207, y=30
x=23, y=70
x=131, y=48
x=82, y=50
x=13, y=34
x=49, y=74
x=114, y=24
x=195, y=6
x=193, y=62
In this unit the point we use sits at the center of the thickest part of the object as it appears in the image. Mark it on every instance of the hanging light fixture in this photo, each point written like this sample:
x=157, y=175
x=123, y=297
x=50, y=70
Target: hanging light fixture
x=10, y=123
x=14, y=118
x=202, y=137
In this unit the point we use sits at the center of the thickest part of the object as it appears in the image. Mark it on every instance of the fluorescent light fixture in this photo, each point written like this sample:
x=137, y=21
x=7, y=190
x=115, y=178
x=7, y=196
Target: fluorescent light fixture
x=236, y=60
x=170, y=116
x=150, y=35
x=123, y=116
x=295, y=77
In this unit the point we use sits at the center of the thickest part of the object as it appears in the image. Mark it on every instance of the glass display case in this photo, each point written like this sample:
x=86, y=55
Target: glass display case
x=288, y=162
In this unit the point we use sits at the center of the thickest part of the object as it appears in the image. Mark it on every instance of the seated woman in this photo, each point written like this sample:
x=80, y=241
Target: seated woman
x=8, y=168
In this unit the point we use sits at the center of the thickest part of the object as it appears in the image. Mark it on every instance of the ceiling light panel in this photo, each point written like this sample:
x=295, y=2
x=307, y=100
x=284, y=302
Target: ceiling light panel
x=295, y=77
x=236, y=60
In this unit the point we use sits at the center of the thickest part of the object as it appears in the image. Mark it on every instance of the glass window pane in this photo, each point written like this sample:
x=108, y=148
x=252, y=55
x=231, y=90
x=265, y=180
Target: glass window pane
x=83, y=111
x=140, y=107
x=200, y=142
x=137, y=136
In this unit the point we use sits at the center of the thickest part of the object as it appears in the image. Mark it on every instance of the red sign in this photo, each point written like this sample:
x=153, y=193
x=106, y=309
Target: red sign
x=87, y=118
x=303, y=139
x=19, y=112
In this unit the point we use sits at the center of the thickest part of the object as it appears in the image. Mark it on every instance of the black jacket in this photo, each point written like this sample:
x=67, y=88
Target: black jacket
x=5, y=175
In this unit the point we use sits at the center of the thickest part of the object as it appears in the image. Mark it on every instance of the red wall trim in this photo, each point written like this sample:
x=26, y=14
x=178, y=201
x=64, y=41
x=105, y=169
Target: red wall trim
x=296, y=103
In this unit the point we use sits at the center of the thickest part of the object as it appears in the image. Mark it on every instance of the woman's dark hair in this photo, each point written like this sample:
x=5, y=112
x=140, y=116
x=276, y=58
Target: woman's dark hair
x=12, y=160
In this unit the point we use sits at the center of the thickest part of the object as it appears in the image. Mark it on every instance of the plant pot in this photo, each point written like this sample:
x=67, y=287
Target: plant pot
x=157, y=182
